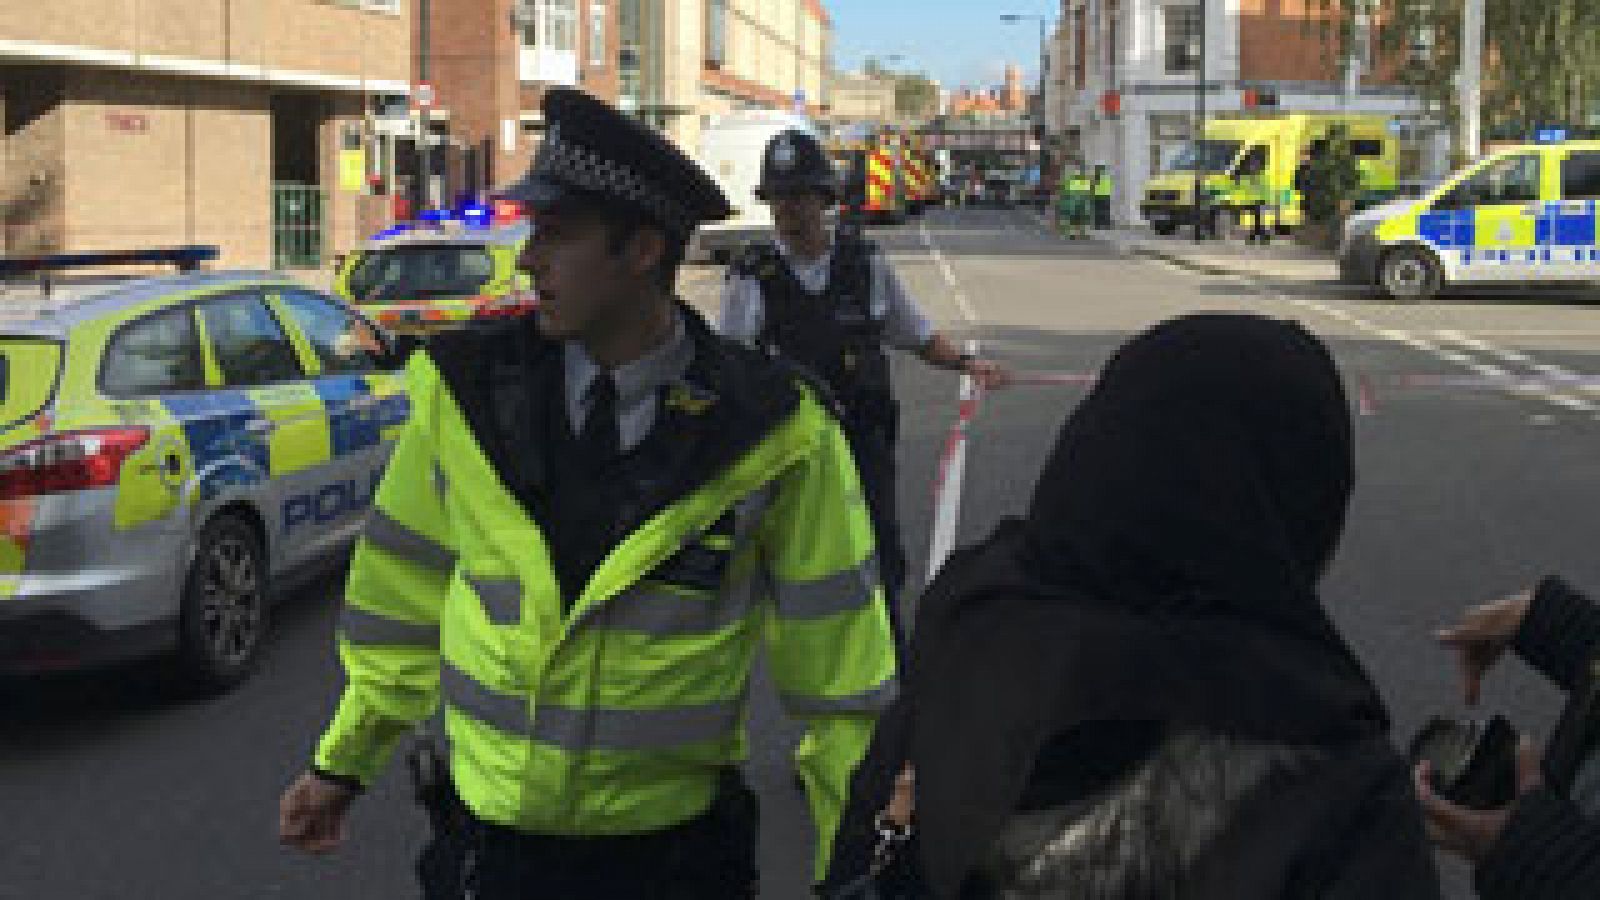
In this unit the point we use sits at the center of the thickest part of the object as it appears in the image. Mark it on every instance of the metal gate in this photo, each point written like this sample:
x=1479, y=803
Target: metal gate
x=296, y=226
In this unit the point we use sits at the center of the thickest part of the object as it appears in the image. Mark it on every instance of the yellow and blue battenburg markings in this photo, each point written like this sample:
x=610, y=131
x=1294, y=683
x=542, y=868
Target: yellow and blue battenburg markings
x=227, y=435
x=1563, y=233
x=242, y=438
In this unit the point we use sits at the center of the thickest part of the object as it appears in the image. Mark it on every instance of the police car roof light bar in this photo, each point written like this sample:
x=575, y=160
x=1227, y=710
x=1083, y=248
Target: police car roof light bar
x=185, y=258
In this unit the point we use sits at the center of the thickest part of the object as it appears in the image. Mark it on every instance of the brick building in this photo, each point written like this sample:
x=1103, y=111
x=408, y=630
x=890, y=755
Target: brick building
x=675, y=63
x=489, y=62
x=241, y=123
x=1126, y=73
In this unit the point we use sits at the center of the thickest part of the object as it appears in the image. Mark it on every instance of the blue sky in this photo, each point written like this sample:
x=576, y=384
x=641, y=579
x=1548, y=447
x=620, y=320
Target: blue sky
x=958, y=42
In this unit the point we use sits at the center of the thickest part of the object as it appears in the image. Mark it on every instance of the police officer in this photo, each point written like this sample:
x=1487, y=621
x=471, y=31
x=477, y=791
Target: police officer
x=830, y=302
x=592, y=519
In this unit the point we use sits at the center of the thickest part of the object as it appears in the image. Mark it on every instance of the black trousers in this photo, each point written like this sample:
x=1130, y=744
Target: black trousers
x=1258, y=224
x=1102, y=212
x=873, y=446
x=709, y=857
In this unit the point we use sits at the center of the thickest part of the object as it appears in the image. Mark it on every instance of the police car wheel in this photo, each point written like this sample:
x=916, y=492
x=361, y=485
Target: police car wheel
x=1408, y=275
x=224, y=613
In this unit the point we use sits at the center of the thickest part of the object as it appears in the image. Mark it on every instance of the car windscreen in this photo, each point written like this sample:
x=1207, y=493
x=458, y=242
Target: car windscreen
x=29, y=370
x=420, y=272
x=1205, y=156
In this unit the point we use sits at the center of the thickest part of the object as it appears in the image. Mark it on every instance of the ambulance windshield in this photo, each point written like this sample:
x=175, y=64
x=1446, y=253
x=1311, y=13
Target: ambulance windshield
x=1206, y=156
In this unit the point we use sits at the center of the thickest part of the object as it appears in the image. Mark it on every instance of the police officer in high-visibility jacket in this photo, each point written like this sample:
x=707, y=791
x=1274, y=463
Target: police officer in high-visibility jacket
x=829, y=302
x=592, y=521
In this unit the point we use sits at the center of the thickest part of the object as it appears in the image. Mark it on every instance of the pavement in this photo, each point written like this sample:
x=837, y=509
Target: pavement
x=1477, y=424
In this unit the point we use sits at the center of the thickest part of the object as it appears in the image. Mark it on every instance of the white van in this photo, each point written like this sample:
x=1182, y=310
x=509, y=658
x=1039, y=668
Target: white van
x=730, y=149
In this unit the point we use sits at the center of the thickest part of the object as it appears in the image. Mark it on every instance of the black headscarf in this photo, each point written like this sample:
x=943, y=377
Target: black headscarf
x=1166, y=572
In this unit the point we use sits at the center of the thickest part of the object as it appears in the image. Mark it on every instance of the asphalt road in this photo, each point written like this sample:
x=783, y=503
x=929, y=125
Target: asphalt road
x=110, y=788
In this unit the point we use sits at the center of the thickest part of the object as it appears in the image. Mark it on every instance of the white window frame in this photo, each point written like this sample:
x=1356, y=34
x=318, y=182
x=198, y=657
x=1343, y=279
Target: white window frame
x=597, y=34
x=553, y=20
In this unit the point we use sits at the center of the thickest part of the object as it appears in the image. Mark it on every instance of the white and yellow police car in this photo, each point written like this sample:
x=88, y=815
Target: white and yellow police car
x=1525, y=215
x=169, y=448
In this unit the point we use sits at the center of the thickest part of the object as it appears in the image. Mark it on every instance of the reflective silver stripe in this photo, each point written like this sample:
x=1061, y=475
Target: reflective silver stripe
x=503, y=712
x=664, y=614
x=634, y=729
x=360, y=626
x=501, y=599
x=440, y=484
x=844, y=591
x=869, y=701
x=390, y=536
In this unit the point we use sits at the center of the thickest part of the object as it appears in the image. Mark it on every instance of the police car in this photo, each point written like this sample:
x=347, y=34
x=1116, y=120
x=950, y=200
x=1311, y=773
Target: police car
x=169, y=448
x=445, y=271
x=1520, y=216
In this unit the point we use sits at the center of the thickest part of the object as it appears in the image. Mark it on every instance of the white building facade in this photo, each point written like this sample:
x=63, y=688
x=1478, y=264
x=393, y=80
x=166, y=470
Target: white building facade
x=1132, y=69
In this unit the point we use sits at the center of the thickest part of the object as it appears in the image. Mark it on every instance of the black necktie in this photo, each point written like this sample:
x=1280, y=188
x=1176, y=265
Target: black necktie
x=599, y=439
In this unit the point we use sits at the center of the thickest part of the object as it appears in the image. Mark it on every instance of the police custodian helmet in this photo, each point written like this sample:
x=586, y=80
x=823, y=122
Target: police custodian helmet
x=795, y=161
x=593, y=152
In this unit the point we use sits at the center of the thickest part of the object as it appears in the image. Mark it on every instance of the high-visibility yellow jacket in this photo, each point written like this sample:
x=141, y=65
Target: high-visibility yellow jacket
x=1103, y=186
x=613, y=717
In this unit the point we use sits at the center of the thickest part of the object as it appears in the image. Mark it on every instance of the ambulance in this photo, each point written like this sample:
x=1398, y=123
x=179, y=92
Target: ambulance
x=1274, y=147
x=1525, y=215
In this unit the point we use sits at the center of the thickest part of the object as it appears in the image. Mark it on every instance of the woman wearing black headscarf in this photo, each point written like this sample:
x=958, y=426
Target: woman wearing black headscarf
x=1135, y=692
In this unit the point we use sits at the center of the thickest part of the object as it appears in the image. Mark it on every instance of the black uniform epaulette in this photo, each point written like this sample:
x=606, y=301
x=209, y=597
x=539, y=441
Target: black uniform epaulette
x=801, y=375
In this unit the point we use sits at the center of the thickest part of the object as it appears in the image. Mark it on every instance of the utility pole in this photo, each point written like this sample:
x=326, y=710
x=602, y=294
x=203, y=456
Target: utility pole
x=1469, y=80
x=428, y=190
x=1201, y=213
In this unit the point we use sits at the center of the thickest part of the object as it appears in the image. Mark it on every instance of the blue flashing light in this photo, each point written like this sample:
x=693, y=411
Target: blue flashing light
x=477, y=216
x=391, y=232
x=1551, y=136
x=433, y=215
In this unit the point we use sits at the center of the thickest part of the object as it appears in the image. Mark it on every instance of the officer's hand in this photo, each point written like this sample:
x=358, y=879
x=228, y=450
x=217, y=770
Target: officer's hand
x=1483, y=636
x=312, y=813
x=1471, y=833
x=988, y=374
x=903, y=802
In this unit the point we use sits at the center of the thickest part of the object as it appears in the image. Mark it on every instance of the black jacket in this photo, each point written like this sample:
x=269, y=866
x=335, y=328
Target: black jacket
x=1549, y=850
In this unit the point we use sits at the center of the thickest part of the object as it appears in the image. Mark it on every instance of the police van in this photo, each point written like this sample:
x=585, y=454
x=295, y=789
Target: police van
x=1525, y=215
x=169, y=448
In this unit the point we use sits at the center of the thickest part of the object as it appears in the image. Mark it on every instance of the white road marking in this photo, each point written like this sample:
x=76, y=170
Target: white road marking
x=960, y=297
x=953, y=465
x=1536, y=388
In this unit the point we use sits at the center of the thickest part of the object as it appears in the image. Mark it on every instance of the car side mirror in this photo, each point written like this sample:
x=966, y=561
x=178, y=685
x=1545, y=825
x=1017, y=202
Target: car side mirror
x=401, y=346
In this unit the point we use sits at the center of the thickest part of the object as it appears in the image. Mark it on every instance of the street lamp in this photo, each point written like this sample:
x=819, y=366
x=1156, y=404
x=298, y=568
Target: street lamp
x=1044, y=61
x=1200, y=211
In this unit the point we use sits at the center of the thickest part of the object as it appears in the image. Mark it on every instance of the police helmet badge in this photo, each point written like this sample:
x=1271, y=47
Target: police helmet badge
x=783, y=153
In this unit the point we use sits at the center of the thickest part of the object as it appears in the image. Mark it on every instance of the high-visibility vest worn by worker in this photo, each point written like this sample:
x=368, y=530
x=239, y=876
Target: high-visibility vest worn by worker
x=1103, y=186
x=613, y=716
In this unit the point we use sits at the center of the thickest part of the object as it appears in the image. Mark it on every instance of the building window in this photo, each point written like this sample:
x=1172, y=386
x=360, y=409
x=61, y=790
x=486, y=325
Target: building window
x=597, y=33
x=1181, y=27
x=552, y=25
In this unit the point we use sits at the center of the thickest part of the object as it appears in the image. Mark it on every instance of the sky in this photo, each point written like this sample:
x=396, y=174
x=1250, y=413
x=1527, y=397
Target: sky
x=958, y=42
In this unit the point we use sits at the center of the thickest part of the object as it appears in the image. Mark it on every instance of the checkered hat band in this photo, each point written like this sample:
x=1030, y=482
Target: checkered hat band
x=571, y=164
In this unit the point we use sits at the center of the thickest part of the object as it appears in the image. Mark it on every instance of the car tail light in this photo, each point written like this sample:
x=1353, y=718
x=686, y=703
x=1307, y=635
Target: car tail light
x=70, y=461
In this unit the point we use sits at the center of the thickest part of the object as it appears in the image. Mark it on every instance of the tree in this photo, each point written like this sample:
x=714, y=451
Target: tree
x=1541, y=57
x=915, y=96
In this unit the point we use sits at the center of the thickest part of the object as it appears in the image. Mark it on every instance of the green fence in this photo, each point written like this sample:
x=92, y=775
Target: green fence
x=296, y=226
